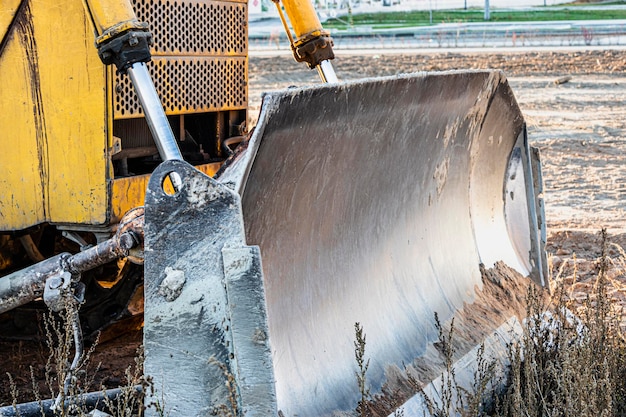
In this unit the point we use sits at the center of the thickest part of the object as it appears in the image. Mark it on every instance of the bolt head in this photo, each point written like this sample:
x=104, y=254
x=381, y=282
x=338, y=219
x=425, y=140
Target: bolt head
x=55, y=282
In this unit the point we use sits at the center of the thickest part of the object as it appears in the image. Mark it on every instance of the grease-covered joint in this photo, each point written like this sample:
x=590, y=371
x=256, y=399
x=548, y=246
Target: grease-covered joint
x=313, y=48
x=129, y=235
x=63, y=271
x=130, y=230
x=26, y=285
x=125, y=44
x=63, y=289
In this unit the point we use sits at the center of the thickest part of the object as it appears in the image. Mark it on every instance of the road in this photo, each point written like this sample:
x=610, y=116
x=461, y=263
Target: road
x=459, y=4
x=266, y=31
x=268, y=35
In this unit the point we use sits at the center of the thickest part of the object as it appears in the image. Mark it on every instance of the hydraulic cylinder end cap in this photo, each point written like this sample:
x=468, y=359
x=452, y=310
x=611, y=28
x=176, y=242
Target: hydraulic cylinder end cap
x=125, y=44
x=314, y=48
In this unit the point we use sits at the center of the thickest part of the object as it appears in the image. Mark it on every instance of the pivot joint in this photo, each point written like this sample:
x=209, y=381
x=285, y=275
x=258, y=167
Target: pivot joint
x=125, y=44
x=314, y=48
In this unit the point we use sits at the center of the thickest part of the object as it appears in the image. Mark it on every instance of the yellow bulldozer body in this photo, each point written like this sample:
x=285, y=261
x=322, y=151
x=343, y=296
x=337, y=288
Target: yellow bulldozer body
x=66, y=117
x=55, y=119
x=389, y=202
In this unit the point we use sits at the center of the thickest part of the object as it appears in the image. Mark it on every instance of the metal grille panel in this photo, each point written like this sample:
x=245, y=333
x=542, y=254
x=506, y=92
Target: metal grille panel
x=199, y=57
x=189, y=85
x=195, y=27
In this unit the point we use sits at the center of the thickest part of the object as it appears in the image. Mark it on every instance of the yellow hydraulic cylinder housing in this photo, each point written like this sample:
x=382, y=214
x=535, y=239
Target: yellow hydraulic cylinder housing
x=108, y=15
x=303, y=17
x=312, y=44
x=75, y=150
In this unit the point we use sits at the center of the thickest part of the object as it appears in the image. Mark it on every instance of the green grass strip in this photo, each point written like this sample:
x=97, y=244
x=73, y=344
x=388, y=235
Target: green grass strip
x=422, y=17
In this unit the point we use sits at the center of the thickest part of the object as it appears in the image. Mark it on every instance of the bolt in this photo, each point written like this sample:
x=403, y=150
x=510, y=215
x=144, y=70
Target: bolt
x=127, y=241
x=55, y=283
x=132, y=41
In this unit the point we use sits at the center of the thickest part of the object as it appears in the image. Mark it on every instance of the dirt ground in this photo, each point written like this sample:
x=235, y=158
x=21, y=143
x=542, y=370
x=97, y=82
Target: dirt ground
x=579, y=127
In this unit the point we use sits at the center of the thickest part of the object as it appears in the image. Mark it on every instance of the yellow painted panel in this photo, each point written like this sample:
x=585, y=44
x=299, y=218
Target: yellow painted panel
x=21, y=181
x=73, y=87
x=8, y=9
x=53, y=97
x=130, y=192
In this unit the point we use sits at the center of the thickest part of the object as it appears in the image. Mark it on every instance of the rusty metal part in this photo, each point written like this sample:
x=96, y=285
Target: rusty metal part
x=28, y=284
x=92, y=400
x=314, y=49
x=380, y=210
x=56, y=289
x=132, y=223
x=129, y=235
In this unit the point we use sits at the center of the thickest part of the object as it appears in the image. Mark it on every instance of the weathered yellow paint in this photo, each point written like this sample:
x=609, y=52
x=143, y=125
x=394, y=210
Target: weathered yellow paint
x=108, y=14
x=130, y=192
x=302, y=16
x=56, y=119
x=20, y=183
x=7, y=12
x=53, y=148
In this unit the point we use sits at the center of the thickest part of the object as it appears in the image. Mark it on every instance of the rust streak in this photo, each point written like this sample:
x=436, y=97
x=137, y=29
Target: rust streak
x=26, y=32
x=7, y=35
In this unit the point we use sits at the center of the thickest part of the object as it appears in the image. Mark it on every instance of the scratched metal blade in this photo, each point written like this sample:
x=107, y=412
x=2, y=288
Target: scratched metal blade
x=376, y=202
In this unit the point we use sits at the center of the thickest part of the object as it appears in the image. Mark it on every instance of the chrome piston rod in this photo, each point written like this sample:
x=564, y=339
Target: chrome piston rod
x=327, y=72
x=153, y=110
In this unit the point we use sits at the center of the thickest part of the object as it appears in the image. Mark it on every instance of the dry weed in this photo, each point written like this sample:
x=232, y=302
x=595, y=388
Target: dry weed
x=69, y=375
x=570, y=359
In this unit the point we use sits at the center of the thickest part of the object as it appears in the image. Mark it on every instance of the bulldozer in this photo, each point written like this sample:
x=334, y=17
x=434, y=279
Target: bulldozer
x=132, y=184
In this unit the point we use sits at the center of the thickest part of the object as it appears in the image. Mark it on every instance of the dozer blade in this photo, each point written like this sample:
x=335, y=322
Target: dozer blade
x=385, y=202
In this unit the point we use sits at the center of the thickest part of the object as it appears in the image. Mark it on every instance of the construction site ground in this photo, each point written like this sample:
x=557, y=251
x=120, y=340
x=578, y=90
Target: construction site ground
x=578, y=123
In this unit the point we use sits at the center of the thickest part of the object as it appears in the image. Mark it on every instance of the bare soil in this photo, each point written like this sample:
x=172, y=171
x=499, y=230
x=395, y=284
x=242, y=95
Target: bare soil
x=579, y=127
x=574, y=106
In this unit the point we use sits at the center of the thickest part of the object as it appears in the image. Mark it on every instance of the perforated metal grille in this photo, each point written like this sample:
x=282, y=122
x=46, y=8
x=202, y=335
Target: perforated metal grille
x=195, y=27
x=199, y=57
x=189, y=85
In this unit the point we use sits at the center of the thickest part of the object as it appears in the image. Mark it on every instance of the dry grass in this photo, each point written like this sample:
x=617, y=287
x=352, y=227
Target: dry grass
x=362, y=408
x=68, y=378
x=570, y=359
